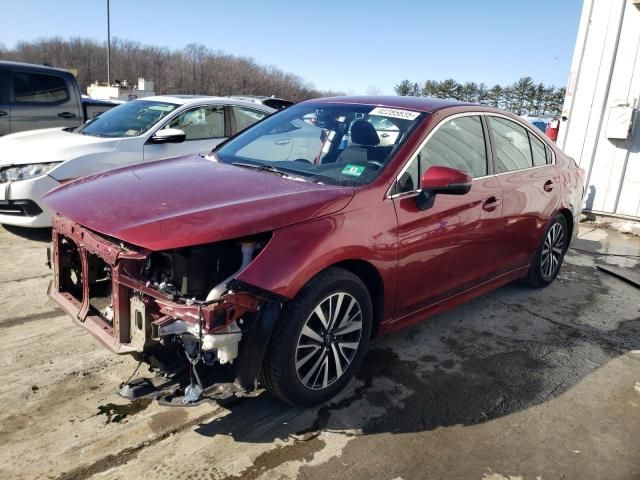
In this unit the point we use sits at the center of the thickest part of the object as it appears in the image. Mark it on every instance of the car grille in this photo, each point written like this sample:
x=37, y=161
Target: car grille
x=19, y=208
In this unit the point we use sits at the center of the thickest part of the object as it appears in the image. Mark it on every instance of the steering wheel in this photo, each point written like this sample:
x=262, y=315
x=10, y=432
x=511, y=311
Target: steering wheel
x=376, y=163
x=302, y=160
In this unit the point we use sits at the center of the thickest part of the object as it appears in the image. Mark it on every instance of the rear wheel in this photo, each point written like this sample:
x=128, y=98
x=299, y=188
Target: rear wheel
x=550, y=254
x=320, y=340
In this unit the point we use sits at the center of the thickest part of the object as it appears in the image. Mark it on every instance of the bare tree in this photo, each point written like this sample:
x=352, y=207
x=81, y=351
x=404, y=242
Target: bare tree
x=194, y=69
x=372, y=91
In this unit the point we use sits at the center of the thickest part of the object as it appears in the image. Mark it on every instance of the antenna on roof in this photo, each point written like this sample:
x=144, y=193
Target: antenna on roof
x=108, y=45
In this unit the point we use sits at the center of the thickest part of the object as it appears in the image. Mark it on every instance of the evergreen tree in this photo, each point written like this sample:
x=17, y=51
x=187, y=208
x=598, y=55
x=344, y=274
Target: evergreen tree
x=403, y=88
x=481, y=94
x=448, y=89
x=430, y=89
x=523, y=97
x=494, y=96
x=469, y=91
x=509, y=101
x=548, y=99
x=557, y=99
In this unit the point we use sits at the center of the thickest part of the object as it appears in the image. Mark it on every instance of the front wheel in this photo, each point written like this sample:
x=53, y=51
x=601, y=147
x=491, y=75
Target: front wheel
x=550, y=254
x=320, y=340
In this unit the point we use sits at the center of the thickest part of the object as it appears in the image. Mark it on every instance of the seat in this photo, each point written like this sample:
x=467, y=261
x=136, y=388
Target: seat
x=197, y=131
x=363, y=138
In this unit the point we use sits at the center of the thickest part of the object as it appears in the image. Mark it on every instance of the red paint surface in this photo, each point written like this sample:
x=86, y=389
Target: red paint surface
x=437, y=177
x=191, y=201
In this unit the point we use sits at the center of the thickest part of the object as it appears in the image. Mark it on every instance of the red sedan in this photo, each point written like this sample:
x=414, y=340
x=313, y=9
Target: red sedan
x=297, y=241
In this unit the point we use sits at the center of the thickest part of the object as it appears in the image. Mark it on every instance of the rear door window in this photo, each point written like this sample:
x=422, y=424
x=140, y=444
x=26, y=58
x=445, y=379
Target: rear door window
x=245, y=117
x=38, y=88
x=513, y=151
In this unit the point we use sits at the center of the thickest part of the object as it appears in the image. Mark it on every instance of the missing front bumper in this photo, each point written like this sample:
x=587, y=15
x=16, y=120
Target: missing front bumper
x=140, y=314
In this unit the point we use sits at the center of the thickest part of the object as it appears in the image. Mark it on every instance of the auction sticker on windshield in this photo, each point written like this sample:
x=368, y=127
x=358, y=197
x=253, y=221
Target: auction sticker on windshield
x=394, y=113
x=353, y=170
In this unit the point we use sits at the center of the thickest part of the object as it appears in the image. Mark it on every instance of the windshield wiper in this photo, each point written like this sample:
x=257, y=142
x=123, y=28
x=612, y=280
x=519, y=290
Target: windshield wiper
x=263, y=168
x=293, y=175
x=91, y=134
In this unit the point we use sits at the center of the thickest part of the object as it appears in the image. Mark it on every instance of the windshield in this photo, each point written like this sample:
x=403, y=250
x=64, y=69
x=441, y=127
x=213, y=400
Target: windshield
x=339, y=144
x=127, y=120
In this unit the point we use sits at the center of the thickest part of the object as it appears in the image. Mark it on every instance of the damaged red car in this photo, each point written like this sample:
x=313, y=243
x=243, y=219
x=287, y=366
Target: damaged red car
x=293, y=244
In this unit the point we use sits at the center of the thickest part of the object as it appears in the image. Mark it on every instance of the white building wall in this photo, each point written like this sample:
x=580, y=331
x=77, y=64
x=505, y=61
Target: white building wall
x=605, y=72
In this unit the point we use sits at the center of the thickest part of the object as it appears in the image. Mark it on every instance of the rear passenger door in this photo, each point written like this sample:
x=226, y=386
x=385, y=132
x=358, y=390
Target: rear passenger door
x=525, y=170
x=452, y=246
x=42, y=100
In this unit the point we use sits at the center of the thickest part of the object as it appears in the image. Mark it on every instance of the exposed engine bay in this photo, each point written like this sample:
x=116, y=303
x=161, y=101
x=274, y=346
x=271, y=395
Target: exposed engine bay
x=193, y=272
x=135, y=300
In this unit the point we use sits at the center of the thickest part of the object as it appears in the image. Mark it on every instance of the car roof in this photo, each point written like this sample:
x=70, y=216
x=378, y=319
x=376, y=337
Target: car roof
x=256, y=97
x=181, y=99
x=32, y=66
x=200, y=99
x=420, y=104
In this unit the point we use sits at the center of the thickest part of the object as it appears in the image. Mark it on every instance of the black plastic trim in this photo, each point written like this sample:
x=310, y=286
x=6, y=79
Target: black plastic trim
x=22, y=208
x=254, y=345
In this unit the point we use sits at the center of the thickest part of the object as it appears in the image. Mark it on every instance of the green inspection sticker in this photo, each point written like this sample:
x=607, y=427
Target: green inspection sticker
x=353, y=170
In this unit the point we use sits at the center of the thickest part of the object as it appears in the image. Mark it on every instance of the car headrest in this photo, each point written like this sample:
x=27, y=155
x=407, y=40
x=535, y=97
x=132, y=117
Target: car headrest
x=363, y=133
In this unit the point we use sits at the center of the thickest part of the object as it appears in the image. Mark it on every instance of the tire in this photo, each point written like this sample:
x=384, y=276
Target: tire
x=301, y=364
x=547, y=261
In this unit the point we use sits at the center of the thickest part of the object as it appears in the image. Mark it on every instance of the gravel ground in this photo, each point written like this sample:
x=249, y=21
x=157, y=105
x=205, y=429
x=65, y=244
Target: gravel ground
x=517, y=384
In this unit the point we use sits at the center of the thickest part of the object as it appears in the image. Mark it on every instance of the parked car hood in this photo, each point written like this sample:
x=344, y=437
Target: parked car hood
x=190, y=201
x=49, y=145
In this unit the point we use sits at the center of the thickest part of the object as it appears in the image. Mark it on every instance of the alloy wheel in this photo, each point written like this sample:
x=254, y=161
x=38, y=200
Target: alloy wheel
x=328, y=341
x=552, y=251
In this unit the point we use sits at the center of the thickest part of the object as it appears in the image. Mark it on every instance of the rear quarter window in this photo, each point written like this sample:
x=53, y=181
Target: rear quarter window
x=539, y=151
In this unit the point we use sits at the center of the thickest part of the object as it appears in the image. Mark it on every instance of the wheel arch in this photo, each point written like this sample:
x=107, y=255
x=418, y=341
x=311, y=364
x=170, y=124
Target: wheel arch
x=372, y=279
x=568, y=216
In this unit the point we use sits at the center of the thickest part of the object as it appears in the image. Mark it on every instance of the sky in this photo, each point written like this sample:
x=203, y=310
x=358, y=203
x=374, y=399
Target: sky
x=354, y=46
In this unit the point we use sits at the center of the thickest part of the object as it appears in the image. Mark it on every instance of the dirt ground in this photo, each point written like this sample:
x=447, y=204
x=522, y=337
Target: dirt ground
x=517, y=384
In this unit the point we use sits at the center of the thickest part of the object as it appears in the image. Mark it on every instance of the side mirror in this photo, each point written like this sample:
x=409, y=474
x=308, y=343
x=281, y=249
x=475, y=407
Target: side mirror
x=168, y=135
x=443, y=180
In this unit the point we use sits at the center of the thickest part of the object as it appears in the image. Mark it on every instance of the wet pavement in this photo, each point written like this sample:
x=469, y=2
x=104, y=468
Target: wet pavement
x=516, y=384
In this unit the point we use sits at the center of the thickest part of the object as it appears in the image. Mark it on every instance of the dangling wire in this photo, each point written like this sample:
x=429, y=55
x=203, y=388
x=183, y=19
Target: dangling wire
x=134, y=372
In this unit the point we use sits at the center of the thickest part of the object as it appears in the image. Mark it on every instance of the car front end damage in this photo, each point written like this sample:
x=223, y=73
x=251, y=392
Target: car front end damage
x=185, y=300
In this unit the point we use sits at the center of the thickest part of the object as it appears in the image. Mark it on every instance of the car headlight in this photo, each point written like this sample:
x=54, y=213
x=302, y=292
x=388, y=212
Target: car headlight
x=24, y=172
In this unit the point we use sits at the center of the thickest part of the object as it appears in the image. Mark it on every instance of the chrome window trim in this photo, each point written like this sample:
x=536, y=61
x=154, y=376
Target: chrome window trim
x=405, y=167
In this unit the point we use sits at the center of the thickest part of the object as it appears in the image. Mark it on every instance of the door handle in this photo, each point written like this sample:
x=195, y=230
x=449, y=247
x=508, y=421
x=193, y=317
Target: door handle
x=548, y=185
x=67, y=115
x=3, y=114
x=384, y=135
x=491, y=204
x=282, y=142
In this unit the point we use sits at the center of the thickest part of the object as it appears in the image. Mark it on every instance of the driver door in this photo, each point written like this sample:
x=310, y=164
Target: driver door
x=453, y=245
x=204, y=126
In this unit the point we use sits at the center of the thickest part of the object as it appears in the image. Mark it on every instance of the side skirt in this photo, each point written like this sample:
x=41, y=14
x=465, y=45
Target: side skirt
x=453, y=301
